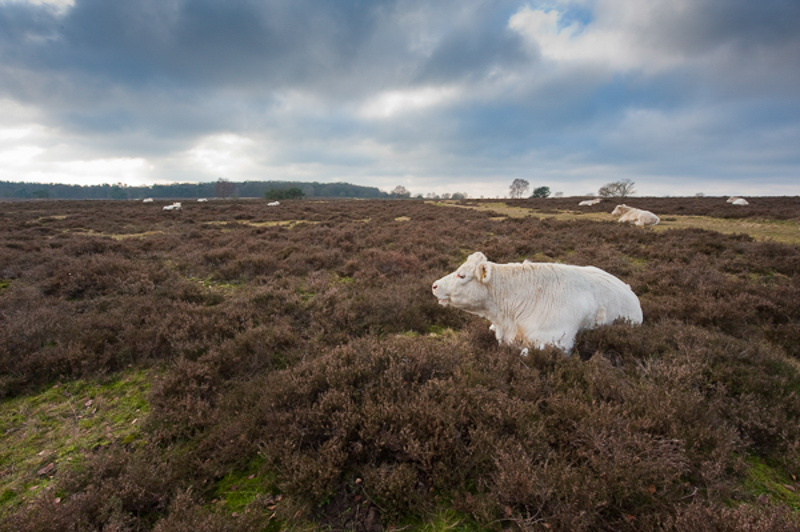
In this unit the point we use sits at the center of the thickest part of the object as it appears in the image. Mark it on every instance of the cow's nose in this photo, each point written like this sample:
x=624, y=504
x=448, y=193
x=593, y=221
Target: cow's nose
x=434, y=286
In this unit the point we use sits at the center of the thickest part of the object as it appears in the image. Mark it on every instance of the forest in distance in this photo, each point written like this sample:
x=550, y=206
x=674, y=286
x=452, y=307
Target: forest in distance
x=235, y=366
x=221, y=188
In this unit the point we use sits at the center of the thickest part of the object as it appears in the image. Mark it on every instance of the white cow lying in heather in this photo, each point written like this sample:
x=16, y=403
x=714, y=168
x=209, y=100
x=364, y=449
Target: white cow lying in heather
x=537, y=304
x=174, y=207
x=147, y=200
x=635, y=216
x=273, y=203
x=588, y=202
x=736, y=200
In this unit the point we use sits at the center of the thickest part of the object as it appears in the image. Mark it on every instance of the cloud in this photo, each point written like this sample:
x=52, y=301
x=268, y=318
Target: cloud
x=392, y=103
x=467, y=94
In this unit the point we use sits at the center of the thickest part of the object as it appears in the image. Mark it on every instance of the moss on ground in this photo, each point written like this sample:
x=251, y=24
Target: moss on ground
x=773, y=483
x=236, y=490
x=53, y=429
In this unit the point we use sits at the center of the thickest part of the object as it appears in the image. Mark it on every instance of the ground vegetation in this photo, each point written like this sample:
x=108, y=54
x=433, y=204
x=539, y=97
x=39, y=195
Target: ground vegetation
x=235, y=366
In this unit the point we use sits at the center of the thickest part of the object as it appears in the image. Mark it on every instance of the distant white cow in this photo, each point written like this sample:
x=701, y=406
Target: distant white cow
x=635, y=216
x=147, y=200
x=538, y=304
x=174, y=207
x=736, y=200
x=588, y=202
x=273, y=203
x=202, y=200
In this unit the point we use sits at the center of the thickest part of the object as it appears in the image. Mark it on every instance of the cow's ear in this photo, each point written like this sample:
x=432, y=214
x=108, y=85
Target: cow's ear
x=484, y=272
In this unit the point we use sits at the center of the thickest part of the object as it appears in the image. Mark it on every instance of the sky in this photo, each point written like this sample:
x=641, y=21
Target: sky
x=682, y=97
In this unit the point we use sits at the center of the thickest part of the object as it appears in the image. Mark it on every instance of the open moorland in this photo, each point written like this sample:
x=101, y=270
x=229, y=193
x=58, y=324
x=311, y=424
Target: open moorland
x=235, y=366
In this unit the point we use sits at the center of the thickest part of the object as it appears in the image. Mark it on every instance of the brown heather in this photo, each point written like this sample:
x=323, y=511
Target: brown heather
x=299, y=347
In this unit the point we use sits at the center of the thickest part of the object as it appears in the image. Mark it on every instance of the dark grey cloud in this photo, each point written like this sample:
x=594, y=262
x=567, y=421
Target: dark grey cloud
x=219, y=43
x=116, y=66
x=703, y=25
x=269, y=44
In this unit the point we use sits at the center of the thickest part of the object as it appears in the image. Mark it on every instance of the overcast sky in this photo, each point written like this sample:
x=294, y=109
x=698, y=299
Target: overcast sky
x=680, y=96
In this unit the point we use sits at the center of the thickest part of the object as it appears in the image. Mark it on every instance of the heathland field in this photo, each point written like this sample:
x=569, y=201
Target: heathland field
x=235, y=366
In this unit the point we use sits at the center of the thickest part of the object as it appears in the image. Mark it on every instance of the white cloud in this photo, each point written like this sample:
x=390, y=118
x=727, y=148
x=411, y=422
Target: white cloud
x=612, y=38
x=131, y=171
x=391, y=103
x=17, y=157
x=225, y=154
x=60, y=6
x=33, y=153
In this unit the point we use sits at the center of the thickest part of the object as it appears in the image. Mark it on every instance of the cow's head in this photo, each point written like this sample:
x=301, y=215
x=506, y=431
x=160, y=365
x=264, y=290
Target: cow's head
x=619, y=209
x=466, y=288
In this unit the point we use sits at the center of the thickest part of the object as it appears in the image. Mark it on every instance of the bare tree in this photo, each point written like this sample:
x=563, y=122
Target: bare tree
x=617, y=189
x=518, y=188
x=401, y=192
x=224, y=188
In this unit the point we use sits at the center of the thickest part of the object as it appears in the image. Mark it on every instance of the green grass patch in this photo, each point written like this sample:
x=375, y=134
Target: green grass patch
x=444, y=520
x=123, y=236
x=211, y=283
x=764, y=480
x=289, y=224
x=764, y=230
x=344, y=280
x=53, y=429
x=238, y=489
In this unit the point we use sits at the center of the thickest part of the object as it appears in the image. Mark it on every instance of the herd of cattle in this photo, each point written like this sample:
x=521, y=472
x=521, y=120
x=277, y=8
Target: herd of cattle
x=532, y=304
x=641, y=217
x=177, y=205
x=626, y=214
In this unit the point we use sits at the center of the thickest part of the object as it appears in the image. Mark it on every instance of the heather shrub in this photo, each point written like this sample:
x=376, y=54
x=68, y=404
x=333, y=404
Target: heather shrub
x=187, y=514
x=115, y=491
x=720, y=518
x=312, y=361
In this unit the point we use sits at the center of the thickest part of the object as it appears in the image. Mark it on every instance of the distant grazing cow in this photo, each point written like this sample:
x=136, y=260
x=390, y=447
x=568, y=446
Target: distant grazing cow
x=736, y=200
x=538, y=304
x=273, y=203
x=635, y=216
x=147, y=200
x=174, y=207
x=588, y=202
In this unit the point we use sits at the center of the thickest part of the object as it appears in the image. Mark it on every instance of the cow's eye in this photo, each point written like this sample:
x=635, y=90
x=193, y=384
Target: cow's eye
x=460, y=275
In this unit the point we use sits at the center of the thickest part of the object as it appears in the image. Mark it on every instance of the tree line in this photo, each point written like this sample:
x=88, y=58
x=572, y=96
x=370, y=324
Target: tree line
x=616, y=189
x=219, y=189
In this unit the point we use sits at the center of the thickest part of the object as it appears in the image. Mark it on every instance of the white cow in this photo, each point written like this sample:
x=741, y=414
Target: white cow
x=538, y=304
x=202, y=200
x=635, y=216
x=147, y=200
x=174, y=207
x=736, y=200
x=273, y=203
x=588, y=202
